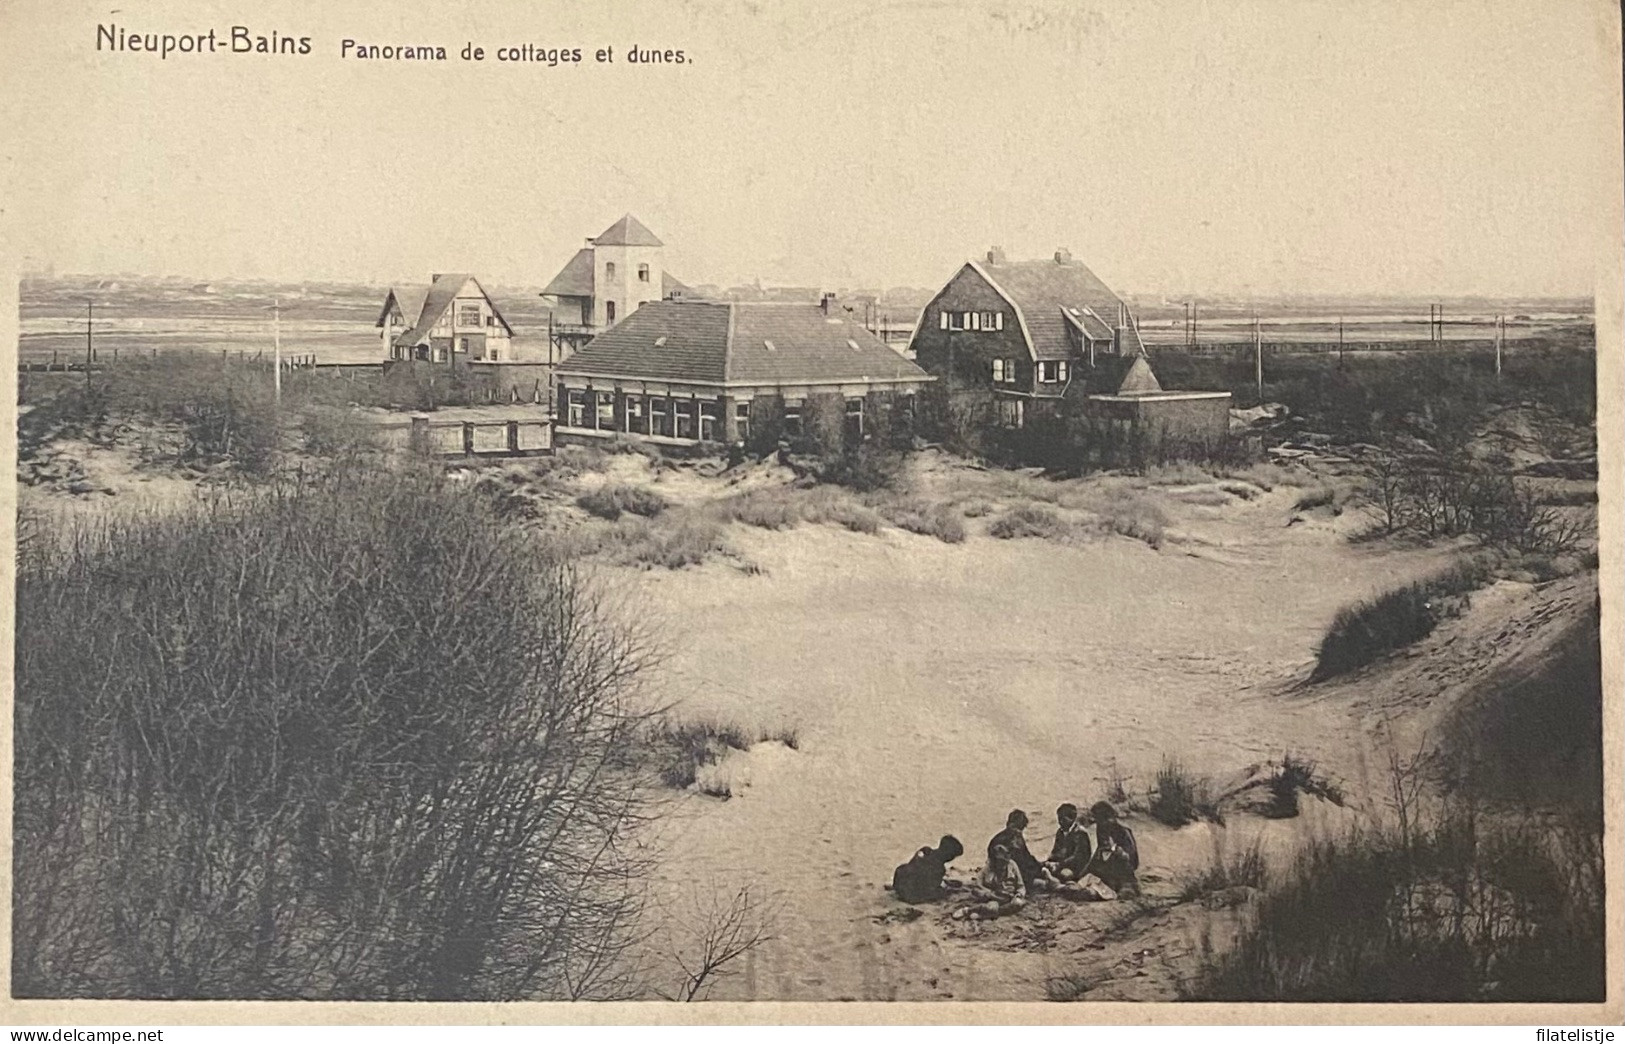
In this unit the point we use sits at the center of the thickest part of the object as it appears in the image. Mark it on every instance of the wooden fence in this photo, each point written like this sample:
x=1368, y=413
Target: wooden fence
x=503, y=438
x=76, y=362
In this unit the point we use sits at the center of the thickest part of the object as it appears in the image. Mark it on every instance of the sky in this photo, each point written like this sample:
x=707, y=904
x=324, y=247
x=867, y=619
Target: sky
x=1273, y=147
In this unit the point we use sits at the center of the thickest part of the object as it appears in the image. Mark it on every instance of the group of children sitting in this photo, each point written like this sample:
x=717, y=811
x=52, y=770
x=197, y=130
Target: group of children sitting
x=1102, y=869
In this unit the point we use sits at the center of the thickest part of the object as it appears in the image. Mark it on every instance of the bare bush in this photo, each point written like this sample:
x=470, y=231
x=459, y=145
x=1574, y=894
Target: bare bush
x=1447, y=496
x=350, y=738
x=723, y=931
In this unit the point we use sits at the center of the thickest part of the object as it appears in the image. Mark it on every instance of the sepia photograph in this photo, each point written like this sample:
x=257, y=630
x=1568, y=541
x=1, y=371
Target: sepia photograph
x=901, y=504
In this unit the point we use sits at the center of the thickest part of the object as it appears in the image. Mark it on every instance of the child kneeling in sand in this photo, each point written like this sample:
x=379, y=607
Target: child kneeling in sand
x=1000, y=890
x=923, y=878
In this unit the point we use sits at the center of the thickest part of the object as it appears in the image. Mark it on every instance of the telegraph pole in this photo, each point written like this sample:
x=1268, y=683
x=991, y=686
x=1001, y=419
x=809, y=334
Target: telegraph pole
x=1339, y=342
x=276, y=338
x=1500, y=341
x=1258, y=357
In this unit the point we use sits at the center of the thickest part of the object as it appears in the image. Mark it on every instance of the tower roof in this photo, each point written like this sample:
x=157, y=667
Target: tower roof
x=628, y=231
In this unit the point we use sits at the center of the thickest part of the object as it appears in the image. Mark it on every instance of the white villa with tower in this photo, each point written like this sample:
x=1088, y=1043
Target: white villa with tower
x=618, y=270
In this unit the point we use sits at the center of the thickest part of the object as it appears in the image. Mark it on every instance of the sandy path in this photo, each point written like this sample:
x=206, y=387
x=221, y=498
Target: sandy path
x=935, y=687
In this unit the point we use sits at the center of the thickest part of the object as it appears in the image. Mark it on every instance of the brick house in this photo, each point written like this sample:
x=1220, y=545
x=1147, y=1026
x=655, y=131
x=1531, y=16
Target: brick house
x=678, y=373
x=1012, y=341
x=452, y=320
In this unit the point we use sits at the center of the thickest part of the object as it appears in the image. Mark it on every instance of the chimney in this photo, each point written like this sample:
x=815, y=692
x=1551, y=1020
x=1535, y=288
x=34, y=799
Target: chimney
x=827, y=303
x=995, y=255
x=1062, y=255
x=1117, y=330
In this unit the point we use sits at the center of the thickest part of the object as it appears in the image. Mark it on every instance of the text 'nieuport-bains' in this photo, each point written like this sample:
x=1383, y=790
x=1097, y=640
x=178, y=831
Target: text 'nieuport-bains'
x=685, y=372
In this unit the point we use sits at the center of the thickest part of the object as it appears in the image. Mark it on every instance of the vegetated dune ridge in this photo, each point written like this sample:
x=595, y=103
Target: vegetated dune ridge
x=935, y=687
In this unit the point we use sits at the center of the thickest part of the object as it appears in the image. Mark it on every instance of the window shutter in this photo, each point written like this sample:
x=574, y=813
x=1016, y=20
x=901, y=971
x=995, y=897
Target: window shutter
x=976, y=320
x=944, y=317
x=998, y=320
x=964, y=321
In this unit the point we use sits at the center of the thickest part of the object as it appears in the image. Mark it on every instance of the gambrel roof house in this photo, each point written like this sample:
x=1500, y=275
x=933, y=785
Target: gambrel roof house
x=422, y=322
x=1060, y=305
x=1016, y=339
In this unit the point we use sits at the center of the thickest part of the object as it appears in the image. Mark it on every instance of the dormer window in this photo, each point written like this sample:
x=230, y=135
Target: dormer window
x=609, y=270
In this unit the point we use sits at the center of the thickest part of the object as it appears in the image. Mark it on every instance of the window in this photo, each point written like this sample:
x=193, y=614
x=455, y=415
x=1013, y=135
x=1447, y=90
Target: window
x=998, y=371
x=1052, y=372
x=578, y=409
x=683, y=414
x=657, y=417
x=1004, y=371
x=1010, y=413
x=643, y=273
x=632, y=418
x=606, y=411
x=609, y=270
x=854, y=418
x=792, y=419
x=709, y=415
x=742, y=419
x=464, y=345
x=609, y=311
x=468, y=313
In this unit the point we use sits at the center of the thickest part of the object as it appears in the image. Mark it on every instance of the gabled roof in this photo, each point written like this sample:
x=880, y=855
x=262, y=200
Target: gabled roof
x=628, y=231
x=407, y=299
x=436, y=299
x=574, y=279
x=1045, y=292
x=717, y=343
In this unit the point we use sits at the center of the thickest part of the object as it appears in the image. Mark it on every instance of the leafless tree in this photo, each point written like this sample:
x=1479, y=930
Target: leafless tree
x=724, y=931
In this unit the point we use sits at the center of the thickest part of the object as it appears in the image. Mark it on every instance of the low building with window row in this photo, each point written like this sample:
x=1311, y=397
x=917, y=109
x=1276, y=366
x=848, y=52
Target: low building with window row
x=679, y=373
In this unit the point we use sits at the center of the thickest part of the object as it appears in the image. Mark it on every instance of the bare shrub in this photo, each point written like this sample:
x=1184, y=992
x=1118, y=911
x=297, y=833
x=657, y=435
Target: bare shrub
x=676, y=540
x=1461, y=910
x=917, y=516
x=763, y=508
x=350, y=738
x=1030, y=520
x=613, y=499
x=1434, y=496
x=338, y=433
x=1323, y=495
x=723, y=932
x=1133, y=515
x=831, y=506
